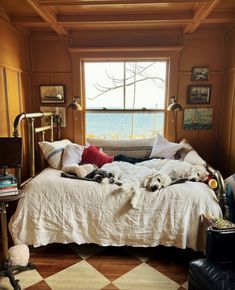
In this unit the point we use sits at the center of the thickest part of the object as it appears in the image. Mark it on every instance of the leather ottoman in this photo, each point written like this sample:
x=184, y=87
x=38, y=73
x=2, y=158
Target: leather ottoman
x=205, y=274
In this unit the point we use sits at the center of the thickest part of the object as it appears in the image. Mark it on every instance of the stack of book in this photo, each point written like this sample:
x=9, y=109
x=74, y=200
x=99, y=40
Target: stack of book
x=8, y=185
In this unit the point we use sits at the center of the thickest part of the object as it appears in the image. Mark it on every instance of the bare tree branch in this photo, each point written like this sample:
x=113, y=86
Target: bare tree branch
x=138, y=74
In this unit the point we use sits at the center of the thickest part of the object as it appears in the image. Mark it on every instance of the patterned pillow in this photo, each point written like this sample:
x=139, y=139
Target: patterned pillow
x=53, y=152
x=138, y=148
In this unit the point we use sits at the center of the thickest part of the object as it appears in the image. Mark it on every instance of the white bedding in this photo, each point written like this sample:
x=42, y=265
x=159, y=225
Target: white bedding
x=63, y=210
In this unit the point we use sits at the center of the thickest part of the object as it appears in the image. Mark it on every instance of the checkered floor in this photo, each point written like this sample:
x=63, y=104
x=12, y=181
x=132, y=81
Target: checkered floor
x=62, y=267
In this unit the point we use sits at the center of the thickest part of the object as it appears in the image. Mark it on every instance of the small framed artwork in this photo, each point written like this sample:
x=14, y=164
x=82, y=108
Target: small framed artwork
x=200, y=73
x=52, y=94
x=199, y=94
x=60, y=111
x=197, y=119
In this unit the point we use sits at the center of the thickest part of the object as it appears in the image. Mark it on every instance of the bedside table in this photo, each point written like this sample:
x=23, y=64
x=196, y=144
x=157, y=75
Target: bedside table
x=6, y=269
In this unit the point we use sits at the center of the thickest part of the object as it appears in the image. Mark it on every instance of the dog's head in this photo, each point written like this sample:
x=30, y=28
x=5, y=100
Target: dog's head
x=199, y=173
x=157, y=181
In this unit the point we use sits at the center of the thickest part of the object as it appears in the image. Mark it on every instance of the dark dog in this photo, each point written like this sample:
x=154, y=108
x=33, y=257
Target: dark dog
x=98, y=175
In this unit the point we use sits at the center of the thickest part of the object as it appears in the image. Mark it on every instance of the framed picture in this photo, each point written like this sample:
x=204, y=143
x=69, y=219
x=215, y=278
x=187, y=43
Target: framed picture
x=197, y=119
x=200, y=73
x=52, y=94
x=61, y=111
x=199, y=94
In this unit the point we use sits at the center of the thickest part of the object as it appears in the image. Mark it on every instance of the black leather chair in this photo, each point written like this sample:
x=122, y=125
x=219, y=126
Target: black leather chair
x=217, y=270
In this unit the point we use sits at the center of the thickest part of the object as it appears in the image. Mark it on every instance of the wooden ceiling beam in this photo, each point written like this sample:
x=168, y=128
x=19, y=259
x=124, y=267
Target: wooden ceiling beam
x=183, y=17
x=125, y=20
x=109, y=2
x=48, y=15
x=201, y=13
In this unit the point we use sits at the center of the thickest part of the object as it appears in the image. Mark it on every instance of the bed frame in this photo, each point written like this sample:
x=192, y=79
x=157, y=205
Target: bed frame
x=55, y=119
x=36, y=132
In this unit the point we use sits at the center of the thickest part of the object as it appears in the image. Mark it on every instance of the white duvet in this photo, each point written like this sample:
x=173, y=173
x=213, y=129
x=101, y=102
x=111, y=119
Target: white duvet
x=63, y=210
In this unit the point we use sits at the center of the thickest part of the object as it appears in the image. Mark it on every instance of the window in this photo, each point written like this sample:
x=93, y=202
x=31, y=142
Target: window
x=125, y=99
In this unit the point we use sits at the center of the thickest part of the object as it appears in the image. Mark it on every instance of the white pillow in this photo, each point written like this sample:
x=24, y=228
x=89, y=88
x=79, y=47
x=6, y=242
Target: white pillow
x=53, y=152
x=190, y=155
x=162, y=148
x=72, y=154
x=194, y=158
x=138, y=148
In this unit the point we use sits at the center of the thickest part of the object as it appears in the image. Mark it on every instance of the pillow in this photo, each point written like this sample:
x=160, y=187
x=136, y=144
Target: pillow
x=190, y=155
x=53, y=152
x=72, y=154
x=138, y=148
x=162, y=148
x=93, y=155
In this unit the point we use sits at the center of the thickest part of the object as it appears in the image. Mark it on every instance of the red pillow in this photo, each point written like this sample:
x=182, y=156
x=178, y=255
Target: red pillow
x=93, y=155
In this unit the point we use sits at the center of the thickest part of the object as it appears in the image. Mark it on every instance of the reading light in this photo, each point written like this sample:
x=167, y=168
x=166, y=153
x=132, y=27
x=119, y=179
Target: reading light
x=174, y=108
x=75, y=104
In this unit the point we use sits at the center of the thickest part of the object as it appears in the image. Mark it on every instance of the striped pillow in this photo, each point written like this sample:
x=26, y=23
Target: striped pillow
x=53, y=152
x=138, y=148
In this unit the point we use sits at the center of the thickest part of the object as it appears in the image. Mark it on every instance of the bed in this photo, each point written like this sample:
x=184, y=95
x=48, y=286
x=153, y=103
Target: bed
x=63, y=210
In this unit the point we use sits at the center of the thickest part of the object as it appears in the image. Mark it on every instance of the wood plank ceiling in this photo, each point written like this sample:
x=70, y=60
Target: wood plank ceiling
x=63, y=16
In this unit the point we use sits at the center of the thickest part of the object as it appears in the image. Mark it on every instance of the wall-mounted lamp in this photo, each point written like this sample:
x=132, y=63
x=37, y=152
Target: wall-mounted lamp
x=174, y=108
x=75, y=104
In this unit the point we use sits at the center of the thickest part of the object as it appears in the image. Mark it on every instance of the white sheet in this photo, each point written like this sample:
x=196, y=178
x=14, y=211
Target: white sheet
x=57, y=209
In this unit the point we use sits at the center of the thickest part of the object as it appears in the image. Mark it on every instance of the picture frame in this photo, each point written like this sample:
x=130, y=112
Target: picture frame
x=197, y=118
x=52, y=94
x=60, y=111
x=200, y=73
x=198, y=94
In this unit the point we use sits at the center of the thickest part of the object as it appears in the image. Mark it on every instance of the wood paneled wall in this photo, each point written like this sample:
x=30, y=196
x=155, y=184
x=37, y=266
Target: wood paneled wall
x=226, y=140
x=52, y=63
x=14, y=77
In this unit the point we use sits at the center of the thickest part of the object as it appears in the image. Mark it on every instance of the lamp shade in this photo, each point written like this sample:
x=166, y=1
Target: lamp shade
x=75, y=105
x=174, y=106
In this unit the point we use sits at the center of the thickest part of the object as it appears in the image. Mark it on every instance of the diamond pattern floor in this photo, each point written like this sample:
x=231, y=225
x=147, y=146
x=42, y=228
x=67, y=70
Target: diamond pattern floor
x=91, y=267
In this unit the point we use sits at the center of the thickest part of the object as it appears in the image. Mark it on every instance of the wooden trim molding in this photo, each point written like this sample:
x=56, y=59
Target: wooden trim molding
x=127, y=49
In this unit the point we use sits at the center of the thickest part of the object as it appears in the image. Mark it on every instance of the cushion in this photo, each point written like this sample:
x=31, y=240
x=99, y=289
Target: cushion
x=93, y=155
x=230, y=196
x=53, y=152
x=162, y=148
x=138, y=148
x=190, y=155
x=72, y=154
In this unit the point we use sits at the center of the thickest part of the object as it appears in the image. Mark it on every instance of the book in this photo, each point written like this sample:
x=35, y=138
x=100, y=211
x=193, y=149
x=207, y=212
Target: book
x=9, y=193
x=7, y=179
x=8, y=188
x=9, y=185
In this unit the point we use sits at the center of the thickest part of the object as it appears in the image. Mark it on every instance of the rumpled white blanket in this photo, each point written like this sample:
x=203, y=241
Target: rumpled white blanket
x=63, y=210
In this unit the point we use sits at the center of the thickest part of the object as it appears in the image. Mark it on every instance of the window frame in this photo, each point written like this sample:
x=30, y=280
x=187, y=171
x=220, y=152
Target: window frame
x=143, y=110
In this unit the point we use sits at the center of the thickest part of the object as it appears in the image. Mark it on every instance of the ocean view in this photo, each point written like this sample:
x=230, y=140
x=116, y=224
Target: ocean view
x=119, y=125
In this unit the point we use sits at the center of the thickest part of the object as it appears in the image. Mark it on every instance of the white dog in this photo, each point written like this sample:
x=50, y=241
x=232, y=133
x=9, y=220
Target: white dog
x=153, y=174
x=177, y=169
x=156, y=181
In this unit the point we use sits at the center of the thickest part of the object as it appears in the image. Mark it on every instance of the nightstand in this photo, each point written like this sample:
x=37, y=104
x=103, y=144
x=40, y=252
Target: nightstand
x=6, y=269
